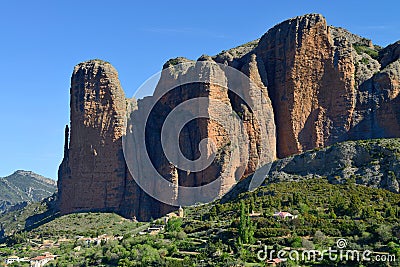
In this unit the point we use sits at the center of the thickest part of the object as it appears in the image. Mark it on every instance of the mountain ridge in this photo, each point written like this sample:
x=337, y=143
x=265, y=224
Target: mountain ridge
x=23, y=187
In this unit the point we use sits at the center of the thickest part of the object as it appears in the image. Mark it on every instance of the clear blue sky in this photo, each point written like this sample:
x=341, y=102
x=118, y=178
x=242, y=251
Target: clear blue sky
x=41, y=41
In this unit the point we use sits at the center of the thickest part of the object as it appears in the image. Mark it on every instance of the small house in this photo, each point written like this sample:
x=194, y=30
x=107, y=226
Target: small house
x=41, y=260
x=285, y=215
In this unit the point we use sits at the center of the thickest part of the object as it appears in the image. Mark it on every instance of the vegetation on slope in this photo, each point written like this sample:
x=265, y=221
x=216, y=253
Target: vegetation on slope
x=373, y=52
x=23, y=187
x=213, y=234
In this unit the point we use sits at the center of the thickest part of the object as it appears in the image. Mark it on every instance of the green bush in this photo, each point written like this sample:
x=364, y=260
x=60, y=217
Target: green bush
x=365, y=49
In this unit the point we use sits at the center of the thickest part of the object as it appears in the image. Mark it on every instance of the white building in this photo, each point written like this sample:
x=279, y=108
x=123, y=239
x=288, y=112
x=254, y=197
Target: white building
x=40, y=261
x=285, y=215
x=13, y=259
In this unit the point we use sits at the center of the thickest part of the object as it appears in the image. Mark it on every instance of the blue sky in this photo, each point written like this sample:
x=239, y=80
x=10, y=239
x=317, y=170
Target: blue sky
x=41, y=41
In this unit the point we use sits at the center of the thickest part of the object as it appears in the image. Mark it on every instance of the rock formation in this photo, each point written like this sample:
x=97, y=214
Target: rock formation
x=312, y=85
x=92, y=174
x=219, y=126
x=373, y=163
x=310, y=82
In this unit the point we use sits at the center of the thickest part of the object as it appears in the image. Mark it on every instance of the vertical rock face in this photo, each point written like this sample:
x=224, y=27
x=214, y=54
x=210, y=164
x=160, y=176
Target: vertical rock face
x=92, y=175
x=218, y=126
x=390, y=54
x=310, y=82
x=385, y=110
x=376, y=114
x=311, y=86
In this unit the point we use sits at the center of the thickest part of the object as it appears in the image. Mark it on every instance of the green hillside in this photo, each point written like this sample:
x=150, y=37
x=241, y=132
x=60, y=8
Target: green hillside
x=367, y=218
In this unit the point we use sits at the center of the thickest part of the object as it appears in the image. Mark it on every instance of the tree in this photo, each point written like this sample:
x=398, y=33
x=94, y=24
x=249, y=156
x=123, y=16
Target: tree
x=390, y=212
x=368, y=212
x=174, y=225
x=319, y=237
x=384, y=232
x=125, y=263
x=242, y=224
x=213, y=213
x=296, y=242
x=307, y=244
x=246, y=226
x=355, y=206
x=252, y=204
x=261, y=210
x=332, y=214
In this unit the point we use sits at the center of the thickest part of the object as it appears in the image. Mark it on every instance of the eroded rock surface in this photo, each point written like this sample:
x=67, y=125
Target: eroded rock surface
x=312, y=85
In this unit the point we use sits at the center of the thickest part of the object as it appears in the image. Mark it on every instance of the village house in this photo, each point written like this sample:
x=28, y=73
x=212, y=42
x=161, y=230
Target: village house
x=155, y=229
x=88, y=241
x=12, y=259
x=275, y=262
x=284, y=215
x=97, y=240
x=41, y=260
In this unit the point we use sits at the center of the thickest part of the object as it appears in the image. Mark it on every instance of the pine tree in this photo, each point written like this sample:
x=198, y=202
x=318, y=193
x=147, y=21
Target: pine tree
x=252, y=203
x=242, y=224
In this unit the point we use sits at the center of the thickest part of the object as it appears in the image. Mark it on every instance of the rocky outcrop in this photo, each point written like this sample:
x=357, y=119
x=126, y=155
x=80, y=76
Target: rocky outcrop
x=389, y=54
x=373, y=163
x=326, y=84
x=310, y=86
x=218, y=124
x=377, y=114
x=92, y=175
x=310, y=82
x=338, y=32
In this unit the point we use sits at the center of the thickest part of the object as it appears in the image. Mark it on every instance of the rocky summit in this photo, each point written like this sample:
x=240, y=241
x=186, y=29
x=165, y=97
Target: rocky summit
x=316, y=85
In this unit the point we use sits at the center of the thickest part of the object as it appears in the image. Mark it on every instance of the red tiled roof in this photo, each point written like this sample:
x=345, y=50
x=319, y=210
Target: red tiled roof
x=39, y=258
x=277, y=260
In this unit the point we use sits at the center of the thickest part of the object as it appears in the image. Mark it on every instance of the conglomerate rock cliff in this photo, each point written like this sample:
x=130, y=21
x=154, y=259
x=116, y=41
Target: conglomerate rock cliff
x=312, y=85
x=310, y=82
x=92, y=174
x=239, y=148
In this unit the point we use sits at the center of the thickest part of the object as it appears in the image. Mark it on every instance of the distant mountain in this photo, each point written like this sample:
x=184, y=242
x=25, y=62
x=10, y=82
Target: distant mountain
x=22, y=187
